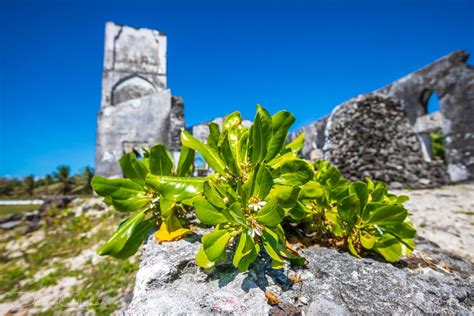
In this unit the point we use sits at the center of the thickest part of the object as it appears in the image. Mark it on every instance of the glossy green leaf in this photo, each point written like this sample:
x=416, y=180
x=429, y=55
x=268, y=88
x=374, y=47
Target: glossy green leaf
x=280, y=160
x=281, y=123
x=286, y=195
x=128, y=237
x=131, y=204
x=161, y=161
x=311, y=190
x=271, y=244
x=360, y=189
x=388, y=215
x=166, y=207
x=210, y=155
x=202, y=260
x=214, y=135
x=297, y=143
x=259, y=135
x=348, y=208
x=133, y=169
x=120, y=189
x=293, y=172
x=213, y=195
x=175, y=189
x=263, y=182
x=228, y=156
x=389, y=247
x=245, y=248
x=185, y=162
x=367, y=240
x=271, y=214
x=207, y=213
x=215, y=243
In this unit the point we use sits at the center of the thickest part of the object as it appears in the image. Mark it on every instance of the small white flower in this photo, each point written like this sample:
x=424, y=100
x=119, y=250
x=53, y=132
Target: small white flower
x=257, y=206
x=225, y=199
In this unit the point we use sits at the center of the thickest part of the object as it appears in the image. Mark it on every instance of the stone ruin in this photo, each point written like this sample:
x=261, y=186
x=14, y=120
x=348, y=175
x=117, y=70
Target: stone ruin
x=137, y=108
x=384, y=134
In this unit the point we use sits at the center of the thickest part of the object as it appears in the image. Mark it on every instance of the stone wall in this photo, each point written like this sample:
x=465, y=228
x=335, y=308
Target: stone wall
x=371, y=135
x=453, y=81
x=137, y=108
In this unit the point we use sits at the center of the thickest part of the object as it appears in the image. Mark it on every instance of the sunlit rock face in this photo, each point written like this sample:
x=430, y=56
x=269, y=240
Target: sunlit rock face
x=169, y=283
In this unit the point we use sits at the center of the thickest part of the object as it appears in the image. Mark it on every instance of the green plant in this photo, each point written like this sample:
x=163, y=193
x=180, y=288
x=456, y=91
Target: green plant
x=156, y=191
x=259, y=185
x=361, y=214
x=256, y=182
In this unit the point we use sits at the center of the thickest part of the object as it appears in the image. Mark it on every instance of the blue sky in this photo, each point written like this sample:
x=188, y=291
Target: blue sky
x=306, y=57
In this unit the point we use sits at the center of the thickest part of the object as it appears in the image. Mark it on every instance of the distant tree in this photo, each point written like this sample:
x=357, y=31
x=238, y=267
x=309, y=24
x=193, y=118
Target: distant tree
x=8, y=186
x=63, y=175
x=83, y=181
x=29, y=185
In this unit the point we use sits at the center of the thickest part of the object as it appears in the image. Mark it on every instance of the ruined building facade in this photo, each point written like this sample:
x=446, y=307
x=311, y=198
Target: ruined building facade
x=384, y=134
x=137, y=108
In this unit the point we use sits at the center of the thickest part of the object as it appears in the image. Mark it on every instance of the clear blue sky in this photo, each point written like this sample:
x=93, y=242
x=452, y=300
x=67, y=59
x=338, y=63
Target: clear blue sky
x=222, y=56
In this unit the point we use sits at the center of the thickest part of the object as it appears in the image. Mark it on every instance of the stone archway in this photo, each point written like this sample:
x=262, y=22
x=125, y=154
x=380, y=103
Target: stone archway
x=131, y=87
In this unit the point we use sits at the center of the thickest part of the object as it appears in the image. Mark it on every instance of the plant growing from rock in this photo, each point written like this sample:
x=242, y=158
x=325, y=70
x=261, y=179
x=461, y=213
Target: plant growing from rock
x=259, y=185
x=158, y=193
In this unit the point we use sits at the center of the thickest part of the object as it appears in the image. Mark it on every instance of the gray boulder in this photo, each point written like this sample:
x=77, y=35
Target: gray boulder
x=333, y=283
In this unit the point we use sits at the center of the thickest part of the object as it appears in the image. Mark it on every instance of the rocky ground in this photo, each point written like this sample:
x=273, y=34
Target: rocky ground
x=445, y=216
x=54, y=269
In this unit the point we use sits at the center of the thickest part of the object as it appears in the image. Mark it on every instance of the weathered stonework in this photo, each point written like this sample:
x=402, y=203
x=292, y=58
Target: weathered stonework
x=453, y=81
x=371, y=135
x=137, y=108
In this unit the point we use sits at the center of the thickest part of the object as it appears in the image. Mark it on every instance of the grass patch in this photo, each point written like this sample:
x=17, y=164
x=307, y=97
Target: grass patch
x=66, y=236
x=13, y=209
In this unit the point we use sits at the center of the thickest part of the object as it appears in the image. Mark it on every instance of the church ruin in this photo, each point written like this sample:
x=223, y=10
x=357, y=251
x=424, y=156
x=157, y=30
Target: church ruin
x=384, y=134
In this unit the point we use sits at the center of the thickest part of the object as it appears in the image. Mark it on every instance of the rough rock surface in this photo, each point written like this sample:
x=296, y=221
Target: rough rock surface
x=335, y=283
x=371, y=135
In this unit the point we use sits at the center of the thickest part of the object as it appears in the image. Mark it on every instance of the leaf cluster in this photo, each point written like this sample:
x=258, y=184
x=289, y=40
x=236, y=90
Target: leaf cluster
x=259, y=185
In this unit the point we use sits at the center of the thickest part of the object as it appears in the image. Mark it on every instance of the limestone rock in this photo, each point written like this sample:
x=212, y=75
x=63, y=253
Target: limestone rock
x=169, y=282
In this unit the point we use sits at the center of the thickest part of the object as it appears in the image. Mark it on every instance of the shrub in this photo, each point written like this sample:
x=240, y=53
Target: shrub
x=259, y=184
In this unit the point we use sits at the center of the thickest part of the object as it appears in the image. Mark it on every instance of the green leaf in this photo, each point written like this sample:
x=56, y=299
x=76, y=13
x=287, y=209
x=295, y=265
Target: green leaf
x=175, y=189
x=213, y=195
x=120, y=189
x=367, y=240
x=202, y=260
x=133, y=169
x=236, y=214
x=228, y=155
x=161, y=161
x=389, y=247
x=287, y=195
x=259, y=135
x=388, y=215
x=293, y=172
x=352, y=249
x=402, y=230
x=281, y=123
x=271, y=214
x=128, y=237
x=245, y=252
x=311, y=190
x=214, y=135
x=208, y=153
x=280, y=160
x=166, y=207
x=271, y=244
x=207, y=213
x=215, y=243
x=185, y=162
x=299, y=212
x=263, y=182
x=348, y=208
x=360, y=189
x=297, y=143
x=131, y=204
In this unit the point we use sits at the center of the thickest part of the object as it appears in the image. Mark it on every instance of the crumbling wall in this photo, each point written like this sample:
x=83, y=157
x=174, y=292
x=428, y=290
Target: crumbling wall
x=371, y=135
x=453, y=81
x=137, y=108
